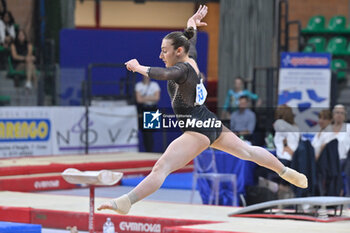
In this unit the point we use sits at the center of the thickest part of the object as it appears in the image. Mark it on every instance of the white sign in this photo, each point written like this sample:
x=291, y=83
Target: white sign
x=110, y=129
x=28, y=131
x=304, y=85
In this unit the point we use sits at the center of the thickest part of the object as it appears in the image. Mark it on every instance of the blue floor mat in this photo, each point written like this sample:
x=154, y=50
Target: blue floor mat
x=12, y=227
x=173, y=181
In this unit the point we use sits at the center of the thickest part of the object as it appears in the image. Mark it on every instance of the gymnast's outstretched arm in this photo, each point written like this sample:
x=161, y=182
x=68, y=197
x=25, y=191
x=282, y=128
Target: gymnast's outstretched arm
x=176, y=72
x=195, y=21
x=192, y=53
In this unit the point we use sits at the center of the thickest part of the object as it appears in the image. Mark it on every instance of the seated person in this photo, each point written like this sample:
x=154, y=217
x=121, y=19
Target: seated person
x=232, y=98
x=23, y=58
x=286, y=141
x=7, y=29
x=287, y=134
x=243, y=120
x=340, y=131
x=320, y=139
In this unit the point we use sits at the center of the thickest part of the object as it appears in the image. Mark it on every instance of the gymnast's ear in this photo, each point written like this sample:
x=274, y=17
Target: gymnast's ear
x=180, y=50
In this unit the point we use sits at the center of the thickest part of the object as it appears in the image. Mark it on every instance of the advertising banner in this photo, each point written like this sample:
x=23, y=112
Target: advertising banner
x=110, y=129
x=25, y=131
x=28, y=131
x=304, y=85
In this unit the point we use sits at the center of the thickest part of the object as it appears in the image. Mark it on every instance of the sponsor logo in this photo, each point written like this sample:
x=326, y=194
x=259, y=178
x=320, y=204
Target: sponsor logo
x=14, y=130
x=192, y=123
x=138, y=226
x=151, y=120
x=46, y=184
x=157, y=120
x=311, y=61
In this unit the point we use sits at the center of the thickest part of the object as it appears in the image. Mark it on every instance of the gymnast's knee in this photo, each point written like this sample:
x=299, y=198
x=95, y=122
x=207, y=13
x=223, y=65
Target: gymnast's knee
x=160, y=168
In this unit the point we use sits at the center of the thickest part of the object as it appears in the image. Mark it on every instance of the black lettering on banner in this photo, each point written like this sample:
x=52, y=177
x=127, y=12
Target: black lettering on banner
x=92, y=136
x=61, y=137
x=115, y=136
x=133, y=134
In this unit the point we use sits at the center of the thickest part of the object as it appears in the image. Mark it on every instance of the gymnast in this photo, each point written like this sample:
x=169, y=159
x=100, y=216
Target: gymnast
x=186, y=93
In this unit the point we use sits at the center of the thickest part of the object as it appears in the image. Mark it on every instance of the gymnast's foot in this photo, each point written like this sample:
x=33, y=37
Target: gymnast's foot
x=294, y=177
x=121, y=205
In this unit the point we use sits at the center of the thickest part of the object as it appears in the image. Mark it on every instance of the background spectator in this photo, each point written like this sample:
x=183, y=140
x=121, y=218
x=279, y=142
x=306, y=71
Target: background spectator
x=243, y=120
x=320, y=139
x=232, y=98
x=147, y=97
x=7, y=29
x=330, y=163
x=287, y=134
x=23, y=58
x=286, y=141
x=341, y=130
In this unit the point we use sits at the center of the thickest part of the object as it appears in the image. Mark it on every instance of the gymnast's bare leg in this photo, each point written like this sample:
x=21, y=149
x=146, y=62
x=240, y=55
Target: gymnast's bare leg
x=231, y=144
x=180, y=152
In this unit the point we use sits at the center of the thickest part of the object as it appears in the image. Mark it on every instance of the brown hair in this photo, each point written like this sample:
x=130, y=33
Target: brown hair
x=285, y=112
x=181, y=39
x=325, y=114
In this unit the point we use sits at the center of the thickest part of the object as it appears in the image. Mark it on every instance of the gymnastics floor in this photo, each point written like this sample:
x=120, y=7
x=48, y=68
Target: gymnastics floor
x=60, y=211
x=28, y=174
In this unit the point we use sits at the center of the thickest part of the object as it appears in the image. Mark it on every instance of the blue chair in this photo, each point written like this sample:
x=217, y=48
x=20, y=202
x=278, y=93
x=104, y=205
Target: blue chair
x=205, y=167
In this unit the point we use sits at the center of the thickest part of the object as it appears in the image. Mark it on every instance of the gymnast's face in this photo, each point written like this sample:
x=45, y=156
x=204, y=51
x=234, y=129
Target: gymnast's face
x=168, y=53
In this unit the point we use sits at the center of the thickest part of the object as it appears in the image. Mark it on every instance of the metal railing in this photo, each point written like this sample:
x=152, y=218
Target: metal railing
x=127, y=93
x=283, y=29
x=268, y=92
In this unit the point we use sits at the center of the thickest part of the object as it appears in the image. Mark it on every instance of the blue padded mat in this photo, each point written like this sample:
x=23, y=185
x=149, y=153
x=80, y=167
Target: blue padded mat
x=173, y=181
x=12, y=227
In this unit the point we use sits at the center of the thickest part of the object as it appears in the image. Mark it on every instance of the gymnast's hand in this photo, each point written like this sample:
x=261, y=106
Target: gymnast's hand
x=195, y=20
x=132, y=65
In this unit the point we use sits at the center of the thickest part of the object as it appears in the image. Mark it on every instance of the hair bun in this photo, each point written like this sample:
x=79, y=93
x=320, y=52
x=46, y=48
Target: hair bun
x=189, y=32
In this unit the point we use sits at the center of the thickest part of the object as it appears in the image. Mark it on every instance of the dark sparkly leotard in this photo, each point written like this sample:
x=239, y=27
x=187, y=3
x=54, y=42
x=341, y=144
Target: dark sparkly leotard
x=182, y=82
